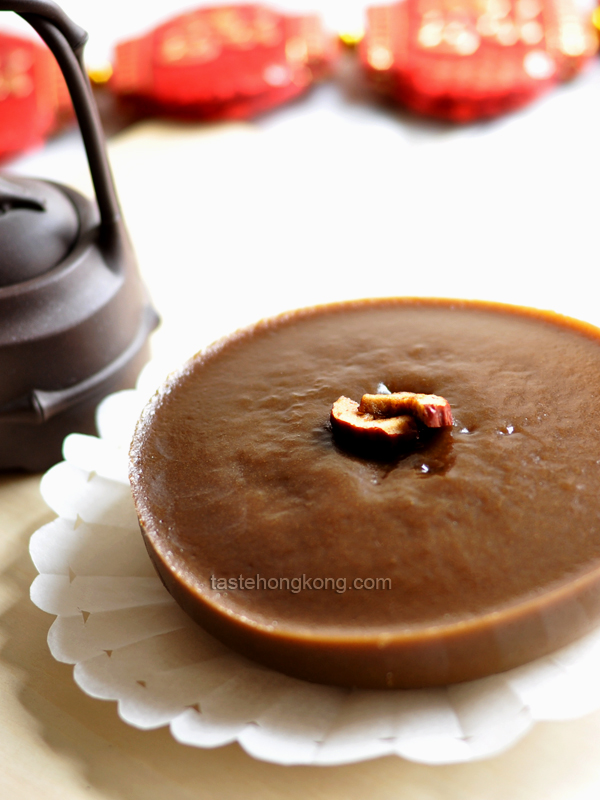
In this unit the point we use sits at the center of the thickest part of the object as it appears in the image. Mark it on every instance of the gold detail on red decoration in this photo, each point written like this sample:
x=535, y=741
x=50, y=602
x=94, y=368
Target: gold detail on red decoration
x=232, y=28
x=380, y=57
x=571, y=38
x=201, y=35
x=539, y=65
x=532, y=32
x=528, y=9
x=296, y=49
x=173, y=48
x=15, y=77
x=276, y=75
x=267, y=29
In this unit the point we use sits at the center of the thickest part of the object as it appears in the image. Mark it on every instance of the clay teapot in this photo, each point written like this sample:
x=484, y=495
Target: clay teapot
x=74, y=315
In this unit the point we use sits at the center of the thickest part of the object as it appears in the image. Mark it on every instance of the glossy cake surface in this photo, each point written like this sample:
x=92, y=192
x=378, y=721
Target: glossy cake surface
x=467, y=552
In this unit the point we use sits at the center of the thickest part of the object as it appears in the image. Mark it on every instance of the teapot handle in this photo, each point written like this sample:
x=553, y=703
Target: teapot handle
x=66, y=40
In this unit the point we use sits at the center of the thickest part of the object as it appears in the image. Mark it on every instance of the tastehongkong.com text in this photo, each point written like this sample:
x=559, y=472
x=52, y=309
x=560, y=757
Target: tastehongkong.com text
x=302, y=583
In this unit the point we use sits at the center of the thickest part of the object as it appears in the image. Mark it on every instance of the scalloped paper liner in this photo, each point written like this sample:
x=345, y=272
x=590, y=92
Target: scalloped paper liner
x=130, y=642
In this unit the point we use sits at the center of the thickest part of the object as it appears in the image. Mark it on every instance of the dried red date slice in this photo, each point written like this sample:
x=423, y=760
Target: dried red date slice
x=227, y=62
x=430, y=409
x=360, y=427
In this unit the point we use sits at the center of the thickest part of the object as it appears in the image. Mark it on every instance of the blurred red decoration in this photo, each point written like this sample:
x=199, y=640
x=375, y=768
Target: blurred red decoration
x=467, y=59
x=230, y=62
x=459, y=60
x=34, y=101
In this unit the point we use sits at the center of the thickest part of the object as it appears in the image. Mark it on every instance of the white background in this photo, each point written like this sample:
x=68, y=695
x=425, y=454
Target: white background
x=336, y=197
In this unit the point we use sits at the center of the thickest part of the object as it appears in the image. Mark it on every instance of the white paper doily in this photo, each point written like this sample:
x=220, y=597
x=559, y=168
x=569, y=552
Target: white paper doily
x=131, y=643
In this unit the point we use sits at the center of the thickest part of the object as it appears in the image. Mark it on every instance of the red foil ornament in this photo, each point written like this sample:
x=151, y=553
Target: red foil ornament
x=34, y=101
x=222, y=63
x=467, y=59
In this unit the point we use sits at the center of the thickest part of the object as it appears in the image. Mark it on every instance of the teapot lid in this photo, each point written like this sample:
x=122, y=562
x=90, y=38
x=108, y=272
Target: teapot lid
x=38, y=227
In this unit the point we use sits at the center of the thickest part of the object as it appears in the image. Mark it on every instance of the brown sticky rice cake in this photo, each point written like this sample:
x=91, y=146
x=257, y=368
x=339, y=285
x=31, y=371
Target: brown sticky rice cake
x=472, y=550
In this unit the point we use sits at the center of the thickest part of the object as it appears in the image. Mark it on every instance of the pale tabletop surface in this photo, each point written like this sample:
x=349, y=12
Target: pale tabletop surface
x=233, y=223
x=55, y=742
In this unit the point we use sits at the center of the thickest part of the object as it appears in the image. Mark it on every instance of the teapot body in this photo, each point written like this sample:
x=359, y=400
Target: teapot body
x=68, y=337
